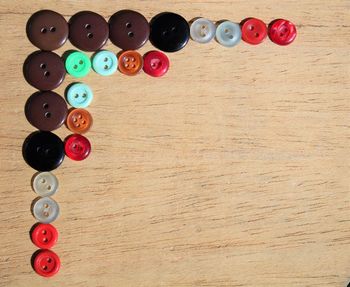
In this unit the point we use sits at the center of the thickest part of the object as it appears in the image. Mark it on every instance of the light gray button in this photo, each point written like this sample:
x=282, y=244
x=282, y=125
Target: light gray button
x=45, y=184
x=46, y=210
x=202, y=30
x=228, y=34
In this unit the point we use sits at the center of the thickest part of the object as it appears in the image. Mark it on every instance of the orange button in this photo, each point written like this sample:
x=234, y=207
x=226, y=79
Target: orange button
x=79, y=121
x=130, y=63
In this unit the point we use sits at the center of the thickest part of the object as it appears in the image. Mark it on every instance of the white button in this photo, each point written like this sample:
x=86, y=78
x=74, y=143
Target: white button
x=46, y=210
x=45, y=184
x=228, y=34
x=202, y=30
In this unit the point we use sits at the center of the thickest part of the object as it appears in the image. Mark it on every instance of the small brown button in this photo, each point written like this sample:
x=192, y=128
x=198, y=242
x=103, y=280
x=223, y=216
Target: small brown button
x=79, y=121
x=88, y=31
x=44, y=70
x=129, y=30
x=46, y=111
x=47, y=30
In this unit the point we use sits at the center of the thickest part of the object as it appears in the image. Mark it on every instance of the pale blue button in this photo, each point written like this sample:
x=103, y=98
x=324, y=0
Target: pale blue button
x=105, y=63
x=79, y=95
x=228, y=34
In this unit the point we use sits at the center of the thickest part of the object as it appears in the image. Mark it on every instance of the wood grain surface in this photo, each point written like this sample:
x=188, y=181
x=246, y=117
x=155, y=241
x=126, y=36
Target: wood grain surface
x=232, y=170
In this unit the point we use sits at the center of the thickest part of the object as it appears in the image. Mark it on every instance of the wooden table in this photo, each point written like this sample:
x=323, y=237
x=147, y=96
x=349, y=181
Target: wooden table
x=232, y=170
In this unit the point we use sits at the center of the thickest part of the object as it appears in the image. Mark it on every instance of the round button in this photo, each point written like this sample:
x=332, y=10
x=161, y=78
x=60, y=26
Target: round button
x=47, y=30
x=79, y=121
x=130, y=63
x=45, y=184
x=46, y=111
x=46, y=263
x=77, y=147
x=155, y=63
x=44, y=70
x=44, y=235
x=105, y=63
x=43, y=151
x=46, y=210
x=78, y=64
x=169, y=32
x=254, y=31
x=282, y=32
x=228, y=34
x=129, y=30
x=79, y=95
x=202, y=30
x=88, y=31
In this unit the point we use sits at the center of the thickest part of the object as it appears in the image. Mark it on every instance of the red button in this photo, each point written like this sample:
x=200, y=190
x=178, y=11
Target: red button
x=46, y=263
x=254, y=31
x=155, y=63
x=77, y=147
x=282, y=32
x=44, y=235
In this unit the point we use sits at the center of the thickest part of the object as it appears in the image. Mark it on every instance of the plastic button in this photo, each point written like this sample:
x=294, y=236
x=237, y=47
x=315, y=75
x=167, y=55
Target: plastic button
x=105, y=63
x=130, y=63
x=282, y=32
x=45, y=184
x=202, y=30
x=46, y=210
x=46, y=263
x=78, y=64
x=155, y=63
x=79, y=95
x=228, y=34
x=79, y=121
x=77, y=147
x=254, y=31
x=44, y=235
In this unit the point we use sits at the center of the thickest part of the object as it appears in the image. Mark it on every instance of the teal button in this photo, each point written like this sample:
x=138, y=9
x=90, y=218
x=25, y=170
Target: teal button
x=78, y=64
x=105, y=63
x=79, y=95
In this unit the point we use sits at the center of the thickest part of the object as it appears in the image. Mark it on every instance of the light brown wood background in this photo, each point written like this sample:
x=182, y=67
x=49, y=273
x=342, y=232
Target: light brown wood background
x=233, y=170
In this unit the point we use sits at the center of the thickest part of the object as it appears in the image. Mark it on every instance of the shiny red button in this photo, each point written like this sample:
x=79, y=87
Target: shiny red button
x=44, y=235
x=282, y=32
x=155, y=63
x=46, y=263
x=77, y=147
x=254, y=31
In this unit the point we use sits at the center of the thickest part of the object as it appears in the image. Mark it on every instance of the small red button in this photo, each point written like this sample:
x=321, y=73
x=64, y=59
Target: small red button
x=155, y=63
x=254, y=31
x=77, y=147
x=282, y=32
x=44, y=235
x=46, y=263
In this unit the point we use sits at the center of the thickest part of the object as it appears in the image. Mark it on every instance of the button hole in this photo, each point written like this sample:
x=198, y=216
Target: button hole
x=43, y=30
x=90, y=35
x=75, y=120
x=76, y=96
x=44, y=267
x=81, y=62
x=128, y=25
x=45, y=239
x=251, y=28
x=106, y=67
x=257, y=35
x=43, y=180
x=84, y=95
x=87, y=26
x=131, y=34
x=47, y=115
x=49, y=187
x=75, y=67
x=46, y=205
x=49, y=260
x=173, y=29
x=165, y=33
x=43, y=66
x=105, y=59
x=46, y=106
x=79, y=116
x=83, y=122
x=52, y=29
x=44, y=232
x=46, y=73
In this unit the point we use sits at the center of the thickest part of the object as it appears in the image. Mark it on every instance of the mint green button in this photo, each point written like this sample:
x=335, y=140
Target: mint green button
x=78, y=64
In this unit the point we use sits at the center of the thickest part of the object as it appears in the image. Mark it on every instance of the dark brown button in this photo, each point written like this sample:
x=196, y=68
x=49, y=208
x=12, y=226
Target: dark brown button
x=44, y=70
x=88, y=31
x=47, y=30
x=129, y=30
x=46, y=111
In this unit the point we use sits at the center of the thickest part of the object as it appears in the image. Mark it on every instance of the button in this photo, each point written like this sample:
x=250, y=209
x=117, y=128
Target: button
x=43, y=151
x=202, y=30
x=47, y=30
x=79, y=95
x=254, y=31
x=44, y=235
x=77, y=147
x=130, y=63
x=105, y=63
x=78, y=64
x=46, y=111
x=46, y=263
x=282, y=32
x=129, y=30
x=79, y=121
x=169, y=32
x=45, y=184
x=44, y=70
x=46, y=210
x=228, y=34
x=155, y=63
x=88, y=31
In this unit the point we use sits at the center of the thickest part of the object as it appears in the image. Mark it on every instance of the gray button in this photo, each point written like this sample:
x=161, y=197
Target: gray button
x=46, y=210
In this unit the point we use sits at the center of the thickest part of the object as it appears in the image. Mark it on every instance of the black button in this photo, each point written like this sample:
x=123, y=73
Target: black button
x=43, y=151
x=170, y=32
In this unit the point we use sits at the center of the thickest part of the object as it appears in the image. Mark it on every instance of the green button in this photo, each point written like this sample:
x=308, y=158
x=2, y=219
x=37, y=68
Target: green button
x=78, y=64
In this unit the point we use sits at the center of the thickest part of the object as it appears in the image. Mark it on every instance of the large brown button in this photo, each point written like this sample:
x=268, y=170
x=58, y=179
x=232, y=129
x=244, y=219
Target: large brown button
x=46, y=111
x=88, y=31
x=47, y=30
x=129, y=30
x=44, y=70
